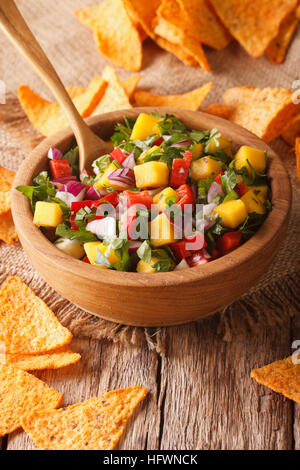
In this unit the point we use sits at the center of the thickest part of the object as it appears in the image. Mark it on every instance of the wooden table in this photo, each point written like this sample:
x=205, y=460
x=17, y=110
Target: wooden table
x=200, y=393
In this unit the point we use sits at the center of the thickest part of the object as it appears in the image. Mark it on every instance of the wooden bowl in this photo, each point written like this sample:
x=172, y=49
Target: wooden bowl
x=163, y=298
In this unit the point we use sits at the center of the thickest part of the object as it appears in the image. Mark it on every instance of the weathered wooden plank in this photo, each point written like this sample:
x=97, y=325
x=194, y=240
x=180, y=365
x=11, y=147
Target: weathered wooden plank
x=106, y=366
x=210, y=400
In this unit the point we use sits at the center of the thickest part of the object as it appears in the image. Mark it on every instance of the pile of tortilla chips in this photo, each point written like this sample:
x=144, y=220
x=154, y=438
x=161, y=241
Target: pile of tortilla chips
x=8, y=232
x=182, y=27
x=31, y=338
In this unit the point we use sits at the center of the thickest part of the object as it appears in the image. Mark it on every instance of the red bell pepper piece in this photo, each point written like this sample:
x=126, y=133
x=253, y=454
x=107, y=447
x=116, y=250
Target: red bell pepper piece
x=118, y=155
x=229, y=242
x=60, y=168
x=186, y=195
x=111, y=198
x=196, y=259
x=218, y=178
x=158, y=141
x=215, y=253
x=241, y=189
x=186, y=247
x=180, y=169
x=131, y=198
x=86, y=260
x=74, y=226
x=76, y=206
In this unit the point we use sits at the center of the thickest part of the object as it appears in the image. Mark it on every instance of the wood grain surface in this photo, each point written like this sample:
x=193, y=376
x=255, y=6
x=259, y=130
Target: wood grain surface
x=200, y=393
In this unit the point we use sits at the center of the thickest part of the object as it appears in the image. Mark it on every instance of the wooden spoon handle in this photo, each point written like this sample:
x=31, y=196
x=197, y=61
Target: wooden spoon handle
x=15, y=27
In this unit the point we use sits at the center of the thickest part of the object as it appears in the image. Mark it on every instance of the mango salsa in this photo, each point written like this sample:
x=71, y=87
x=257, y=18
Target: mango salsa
x=161, y=231
x=204, y=168
x=233, y=213
x=253, y=202
x=47, y=214
x=145, y=125
x=160, y=198
x=143, y=267
x=91, y=249
x=256, y=157
x=102, y=182
x=197, y=151
x=151, y=175
x=145, y=154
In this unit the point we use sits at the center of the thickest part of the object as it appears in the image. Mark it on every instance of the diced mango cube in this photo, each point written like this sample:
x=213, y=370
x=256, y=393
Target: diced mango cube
x=143, y=267
x=145, y=154
x=205, y=167
x=256, y=157
x=253, y=203
x=162, y=231
x=144, y=126
x=261, y=192
x=218, y=142
x=232, y=212
x=197, y=151
x=91, y=249
x=161, y=198
x=47, y=214
x=151, y=175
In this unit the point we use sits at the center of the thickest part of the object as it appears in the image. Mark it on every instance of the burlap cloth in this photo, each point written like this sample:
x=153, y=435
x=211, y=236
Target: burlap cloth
x=71, y=48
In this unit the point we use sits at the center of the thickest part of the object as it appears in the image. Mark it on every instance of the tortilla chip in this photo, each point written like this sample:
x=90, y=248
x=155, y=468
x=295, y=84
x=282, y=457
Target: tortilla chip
x=6, y=178
x=54, y=360
x=96, y=424
x=116, y=36
x=282, y=377
x=114, y=97
x=20, y=393
x=292, y=131
x=252, y=22
x=48, y=117
x=186, y=58
x=8, y=232
x=265, y=112
x=90, y=18
x=220, y=110
x=277, y=49
x=129, y=85
x=297, y=151
x=196, y=19
x=27, y=325
x=144, y=12
x=4, y=202
x=191, y=100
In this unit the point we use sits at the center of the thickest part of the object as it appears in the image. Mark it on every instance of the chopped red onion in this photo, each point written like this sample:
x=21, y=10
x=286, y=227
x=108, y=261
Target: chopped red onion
x=73, y=191
x=214, y=191
x=103, y=227
x=92, y=194
x=182, y=265
x=123, y=176
x=129, y=162
x=183, y=143
x=54, y=154
x=166, y=137
x=134, y=246
x=75, y=188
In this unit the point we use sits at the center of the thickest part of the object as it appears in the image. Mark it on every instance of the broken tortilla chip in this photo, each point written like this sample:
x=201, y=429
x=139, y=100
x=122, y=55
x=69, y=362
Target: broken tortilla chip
x=6, y=178
x=297, y=151
x=192, y=18
x=96, y=424
x=191, y=100
x=172, y=24
x=252, y=22
x=48, y=117
x=54, y=360
x=186, y=58
x=114, y=97
x=292, y=131
x=27, y=325
x=116, y=36
x=8, y=232
x=281, y=376
x=20, y=393
x=277, y=49
x=265, y=112
x=220, y=110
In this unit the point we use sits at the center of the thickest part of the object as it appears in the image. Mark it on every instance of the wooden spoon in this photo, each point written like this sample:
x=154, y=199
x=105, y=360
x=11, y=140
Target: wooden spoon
x=15, y=27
